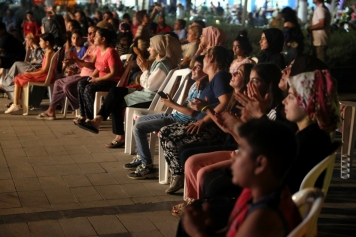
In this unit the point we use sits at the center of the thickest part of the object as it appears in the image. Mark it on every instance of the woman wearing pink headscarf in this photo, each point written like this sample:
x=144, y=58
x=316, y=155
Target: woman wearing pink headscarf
x=211, y=36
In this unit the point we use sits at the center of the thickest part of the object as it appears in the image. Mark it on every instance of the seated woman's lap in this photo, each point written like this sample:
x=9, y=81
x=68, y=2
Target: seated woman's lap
x=218, y=183
x=187, y=150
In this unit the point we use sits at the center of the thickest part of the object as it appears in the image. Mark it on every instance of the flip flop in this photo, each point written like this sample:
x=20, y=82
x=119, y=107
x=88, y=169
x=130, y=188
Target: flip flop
x=115, y=144
x=88, y=127
x=78, y=120
x=45, y=117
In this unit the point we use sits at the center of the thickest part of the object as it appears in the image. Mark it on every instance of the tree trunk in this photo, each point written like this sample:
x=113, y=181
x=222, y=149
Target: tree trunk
x=244, y=14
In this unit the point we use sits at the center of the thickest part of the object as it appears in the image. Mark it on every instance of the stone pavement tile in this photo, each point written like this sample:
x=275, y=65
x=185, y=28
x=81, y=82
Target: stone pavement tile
x=23, y=171
x=9, y=200
x=7, y=186
x=60, y=196
x=5, y=173
x=86, y=194
x=73, y=141
x=119, y=202
x=46, y=170
x=167, y=228
x=40, y=160
x=121, y=177
x=178, y=197
x=101, y=179
x=66, y=206
x=13, y=152
x=50, y=141
x=27, y=184
x=78, y=149
x=76, y=227
x=136, y=222
x=25, y=133
x=155, y=233
x=112, y=166
x=161, y=216
x=56, y=150
x=91, y=168
x=33, y=142
x=68, y=169
x=15, y=230
x=34, y=201
x=91, y=204
x=103, y=157
x=77, y=180
x=83, y=158
x=108, y=224
x=40, y=132
x=11, y=211
x=62, y=159
x=111, y=192
x=10, y=144
x=35, y=151
x=17, y=161
x=54, y=182
x=141, y=200
x=46, y=228
x=155, y=188
x=136, y=190
x=9, y=137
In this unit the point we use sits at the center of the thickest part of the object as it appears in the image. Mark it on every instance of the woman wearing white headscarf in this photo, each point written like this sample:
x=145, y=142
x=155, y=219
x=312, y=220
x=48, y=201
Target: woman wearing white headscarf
x=167, y=53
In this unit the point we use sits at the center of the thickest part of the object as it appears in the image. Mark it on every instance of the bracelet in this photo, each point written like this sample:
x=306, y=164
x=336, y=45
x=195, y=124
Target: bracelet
x=204, y=108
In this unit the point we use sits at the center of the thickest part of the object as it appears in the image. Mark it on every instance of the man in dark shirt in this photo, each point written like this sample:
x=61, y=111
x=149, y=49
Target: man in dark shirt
x=11, y=49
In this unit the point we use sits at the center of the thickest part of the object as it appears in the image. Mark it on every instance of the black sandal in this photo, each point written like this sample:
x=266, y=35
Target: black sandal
x=88, y=127
x=78, y=120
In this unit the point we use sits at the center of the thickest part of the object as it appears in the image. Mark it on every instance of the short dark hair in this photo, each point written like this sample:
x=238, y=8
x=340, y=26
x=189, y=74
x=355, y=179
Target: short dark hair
x=109, y=13
x=182, y=22
x=280, y=151
x=78, y=32
x=201, y=23
x=198, y=59
x=126, y=16
x=48, y=37
x=29, y=12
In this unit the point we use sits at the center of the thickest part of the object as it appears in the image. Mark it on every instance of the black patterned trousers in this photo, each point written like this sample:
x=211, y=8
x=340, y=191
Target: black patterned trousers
x=86, y=93
x=175, y=135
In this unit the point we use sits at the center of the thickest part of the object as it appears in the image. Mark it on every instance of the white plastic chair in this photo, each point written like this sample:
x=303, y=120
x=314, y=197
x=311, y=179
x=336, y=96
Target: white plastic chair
x=47, y=83
x=328, y=165
x=310, y=179
x=309, y=201
x=156, y=107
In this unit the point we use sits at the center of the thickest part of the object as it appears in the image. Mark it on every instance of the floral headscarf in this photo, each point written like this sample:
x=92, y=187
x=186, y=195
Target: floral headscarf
x=316, y=92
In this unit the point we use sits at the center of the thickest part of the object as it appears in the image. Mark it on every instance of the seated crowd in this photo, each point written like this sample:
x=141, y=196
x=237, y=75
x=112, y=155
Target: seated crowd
x=250, y=128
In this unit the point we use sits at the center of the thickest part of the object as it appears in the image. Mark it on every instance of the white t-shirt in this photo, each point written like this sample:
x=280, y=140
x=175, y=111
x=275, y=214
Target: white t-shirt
x=321, y=37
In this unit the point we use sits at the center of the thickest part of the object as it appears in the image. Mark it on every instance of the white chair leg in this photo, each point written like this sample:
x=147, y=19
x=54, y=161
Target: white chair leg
x=153, y=139
x=163, y=167
x=25, y=98
x=130, y=143
x=65, y=108
x=97, y=103
x=50, y=90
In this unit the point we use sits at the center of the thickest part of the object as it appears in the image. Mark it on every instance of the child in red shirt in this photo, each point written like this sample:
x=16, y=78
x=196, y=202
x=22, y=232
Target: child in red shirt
x=30, y=25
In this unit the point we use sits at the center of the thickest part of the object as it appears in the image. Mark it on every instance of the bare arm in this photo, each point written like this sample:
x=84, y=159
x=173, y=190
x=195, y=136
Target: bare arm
x=319, y=26
x=44, y=69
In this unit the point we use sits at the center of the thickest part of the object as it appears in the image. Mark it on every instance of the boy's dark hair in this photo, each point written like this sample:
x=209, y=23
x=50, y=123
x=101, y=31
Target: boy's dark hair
x=109, y=13
x=126, y=16
x=201, y=23
x=182, y=22
x=29, y=12
x=78, y=32
x=198, y=59
x=48, y=37
x=280, y=150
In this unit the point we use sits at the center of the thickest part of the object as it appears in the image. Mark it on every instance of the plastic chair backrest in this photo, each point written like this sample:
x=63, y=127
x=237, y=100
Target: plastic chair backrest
x=328, y=165
x=180, y=95
x=125, y=57
x=309, y=201
x=161, y=88
x=126, y=74
x=52, y=68
x=180, y=75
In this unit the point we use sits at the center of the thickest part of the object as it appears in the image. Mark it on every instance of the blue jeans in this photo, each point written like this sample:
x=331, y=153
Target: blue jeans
x=147, y=124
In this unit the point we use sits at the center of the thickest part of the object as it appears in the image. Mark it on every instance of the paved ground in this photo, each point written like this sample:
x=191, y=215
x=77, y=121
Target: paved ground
x=58, y=180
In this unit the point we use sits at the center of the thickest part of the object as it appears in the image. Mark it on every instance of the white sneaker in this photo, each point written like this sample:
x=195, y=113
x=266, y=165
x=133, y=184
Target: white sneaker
x=13, y=108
